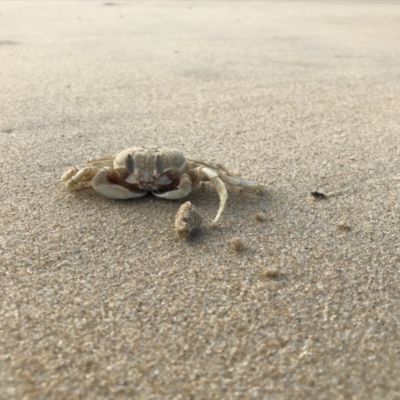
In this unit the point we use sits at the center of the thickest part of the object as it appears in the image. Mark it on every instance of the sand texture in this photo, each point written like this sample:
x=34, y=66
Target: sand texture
x=291, y=296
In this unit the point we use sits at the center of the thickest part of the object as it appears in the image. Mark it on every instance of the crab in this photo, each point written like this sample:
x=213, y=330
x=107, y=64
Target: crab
x=164, y=172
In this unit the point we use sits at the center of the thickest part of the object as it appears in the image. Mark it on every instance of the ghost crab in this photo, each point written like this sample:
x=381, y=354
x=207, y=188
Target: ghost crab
x=164, y=172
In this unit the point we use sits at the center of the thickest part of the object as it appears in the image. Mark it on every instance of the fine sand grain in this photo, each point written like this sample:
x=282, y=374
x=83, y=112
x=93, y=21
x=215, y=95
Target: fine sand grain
x=101, y=300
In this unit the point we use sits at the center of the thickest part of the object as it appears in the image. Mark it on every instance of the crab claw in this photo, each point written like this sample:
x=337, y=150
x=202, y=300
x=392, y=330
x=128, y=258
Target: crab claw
x=101, y=183
x=184, y=188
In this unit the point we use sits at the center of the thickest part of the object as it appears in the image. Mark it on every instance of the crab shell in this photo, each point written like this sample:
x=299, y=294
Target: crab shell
x=163, y=171
x=143, y=170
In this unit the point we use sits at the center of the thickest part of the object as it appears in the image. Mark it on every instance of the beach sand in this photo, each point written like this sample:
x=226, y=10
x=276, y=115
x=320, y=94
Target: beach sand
x=100, y=299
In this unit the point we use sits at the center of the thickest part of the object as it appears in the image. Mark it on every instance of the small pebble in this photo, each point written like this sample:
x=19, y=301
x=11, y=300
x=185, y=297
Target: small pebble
x=343, y=226
x=319, y=195
x=259, y=217
x=187, y=220
x=270, y=273
x=237, y=244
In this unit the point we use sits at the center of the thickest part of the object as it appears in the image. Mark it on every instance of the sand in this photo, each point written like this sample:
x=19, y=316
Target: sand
x=101, y=300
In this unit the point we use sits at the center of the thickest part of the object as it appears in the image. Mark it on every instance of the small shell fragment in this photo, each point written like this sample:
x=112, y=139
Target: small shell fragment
x=237, y=244
x=319, y=195
x=187, y=220
x=343, y=226
x=259, y=217
x=270, y=273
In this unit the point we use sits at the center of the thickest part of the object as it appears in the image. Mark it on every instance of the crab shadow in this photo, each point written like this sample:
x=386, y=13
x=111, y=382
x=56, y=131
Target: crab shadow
x=241, y=207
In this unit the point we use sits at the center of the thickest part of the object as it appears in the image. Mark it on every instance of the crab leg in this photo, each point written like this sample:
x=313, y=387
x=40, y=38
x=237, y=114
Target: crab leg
x=236, y=181
x=225, y=175
x=76, y=178
x=66, y=176
x=205, y=174
x=198, y=163
x=98, y=159
x=219, y=187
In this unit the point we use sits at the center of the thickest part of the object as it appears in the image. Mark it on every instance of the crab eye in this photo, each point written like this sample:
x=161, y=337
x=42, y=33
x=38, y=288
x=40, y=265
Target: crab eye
x=160, y=165
x=129, y=163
